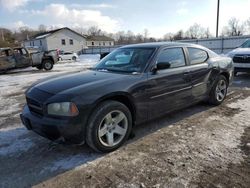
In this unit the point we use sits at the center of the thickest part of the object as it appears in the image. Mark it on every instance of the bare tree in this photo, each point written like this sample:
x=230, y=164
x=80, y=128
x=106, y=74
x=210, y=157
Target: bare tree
x=234, y=28
x=207, y=33
x=94, y=31
x=42, y=28
x=248, y=26
x=145, y=34
x=196, y=31
x=168, y=37
x=179, y=35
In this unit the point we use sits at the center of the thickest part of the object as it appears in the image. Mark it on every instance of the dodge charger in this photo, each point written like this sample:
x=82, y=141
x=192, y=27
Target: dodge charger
x=131, y=85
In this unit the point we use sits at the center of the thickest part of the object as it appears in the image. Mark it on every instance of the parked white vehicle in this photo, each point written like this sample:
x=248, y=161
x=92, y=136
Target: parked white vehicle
x=241, y=57
x=68, y=56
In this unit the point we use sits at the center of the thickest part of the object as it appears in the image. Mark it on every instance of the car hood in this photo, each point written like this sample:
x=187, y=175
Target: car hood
x=242, y=51
x=68, y=82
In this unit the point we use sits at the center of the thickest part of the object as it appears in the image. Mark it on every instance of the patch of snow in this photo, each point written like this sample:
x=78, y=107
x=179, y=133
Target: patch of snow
x=70, y=162
x=13, y=141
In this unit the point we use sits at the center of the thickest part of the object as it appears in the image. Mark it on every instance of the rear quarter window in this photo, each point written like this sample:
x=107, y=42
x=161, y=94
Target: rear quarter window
x=197, y=56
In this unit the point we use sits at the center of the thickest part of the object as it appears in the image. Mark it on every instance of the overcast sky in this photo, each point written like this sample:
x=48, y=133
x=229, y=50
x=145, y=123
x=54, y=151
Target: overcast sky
x=158, y=16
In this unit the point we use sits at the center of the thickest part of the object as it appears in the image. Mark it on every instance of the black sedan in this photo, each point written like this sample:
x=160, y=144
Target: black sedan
x=131, y=85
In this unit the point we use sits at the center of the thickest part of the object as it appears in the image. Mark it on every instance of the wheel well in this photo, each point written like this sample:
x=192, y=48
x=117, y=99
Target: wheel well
x=226, y=75
x=48, y=58
x=124, y=100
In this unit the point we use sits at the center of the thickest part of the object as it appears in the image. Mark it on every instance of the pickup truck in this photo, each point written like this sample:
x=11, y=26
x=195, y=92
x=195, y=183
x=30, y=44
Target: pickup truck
x=19, y=57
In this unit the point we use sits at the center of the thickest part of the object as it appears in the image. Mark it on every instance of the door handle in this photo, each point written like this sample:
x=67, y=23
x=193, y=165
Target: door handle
x=187, y=76
x=186, y=73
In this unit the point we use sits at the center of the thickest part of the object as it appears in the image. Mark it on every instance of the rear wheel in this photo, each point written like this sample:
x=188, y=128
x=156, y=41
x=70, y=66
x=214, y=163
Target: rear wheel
x=74, y=58
x=219, y=91
x=109, y=126
x=48, y=64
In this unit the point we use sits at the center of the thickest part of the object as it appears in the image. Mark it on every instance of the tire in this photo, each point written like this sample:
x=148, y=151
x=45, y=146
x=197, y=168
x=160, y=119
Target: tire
x=219, y=91
x=74, y=58
x=39, y=67
x=48, y=64
x=102, y=133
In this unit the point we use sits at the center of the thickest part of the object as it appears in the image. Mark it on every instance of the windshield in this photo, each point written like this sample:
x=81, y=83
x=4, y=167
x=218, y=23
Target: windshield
x=128, y=60
x=246, y=44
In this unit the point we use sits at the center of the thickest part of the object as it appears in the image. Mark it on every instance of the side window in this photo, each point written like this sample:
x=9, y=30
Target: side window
x=197, y=56
x=24, y=52
x=63, y=42
x=174, y=56
x=10, y=53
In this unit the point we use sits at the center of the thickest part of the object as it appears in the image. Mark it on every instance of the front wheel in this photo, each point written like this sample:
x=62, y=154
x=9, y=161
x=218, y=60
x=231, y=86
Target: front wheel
x=109, y=126
x=74, y=58
x=48, y=64
x=219, y=91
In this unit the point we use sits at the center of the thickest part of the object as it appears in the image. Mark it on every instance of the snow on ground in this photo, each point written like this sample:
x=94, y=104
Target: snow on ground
x=13, y=142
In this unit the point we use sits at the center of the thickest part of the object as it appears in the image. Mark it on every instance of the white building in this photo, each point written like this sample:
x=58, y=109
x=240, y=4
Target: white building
x=62, y=39
x=97, y=41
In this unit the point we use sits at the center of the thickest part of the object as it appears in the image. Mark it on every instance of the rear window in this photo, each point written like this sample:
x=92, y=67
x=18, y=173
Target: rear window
x=197, y=56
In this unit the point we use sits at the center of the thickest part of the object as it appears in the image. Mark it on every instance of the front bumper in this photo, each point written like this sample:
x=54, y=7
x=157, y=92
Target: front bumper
x=69, y=130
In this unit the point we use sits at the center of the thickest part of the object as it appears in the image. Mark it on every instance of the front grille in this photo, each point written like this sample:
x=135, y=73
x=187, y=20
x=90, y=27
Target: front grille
x=34, y=106
x=241, y=59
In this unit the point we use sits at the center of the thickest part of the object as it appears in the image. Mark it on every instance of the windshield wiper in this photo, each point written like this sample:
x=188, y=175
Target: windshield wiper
x=100, y=69
x=118, y=70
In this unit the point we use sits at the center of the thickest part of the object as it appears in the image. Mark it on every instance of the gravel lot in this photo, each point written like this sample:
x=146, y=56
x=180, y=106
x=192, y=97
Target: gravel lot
x=201, y=146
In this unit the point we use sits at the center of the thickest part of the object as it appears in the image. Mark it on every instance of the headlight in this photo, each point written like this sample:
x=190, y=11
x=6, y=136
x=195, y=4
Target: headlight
x=63, y=109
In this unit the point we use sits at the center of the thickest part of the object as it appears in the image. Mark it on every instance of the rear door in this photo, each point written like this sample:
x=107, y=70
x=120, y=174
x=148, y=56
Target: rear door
x=199, y=71
x=170, y=88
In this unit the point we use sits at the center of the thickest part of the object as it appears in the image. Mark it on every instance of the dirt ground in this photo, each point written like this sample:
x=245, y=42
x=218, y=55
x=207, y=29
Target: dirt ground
x=201, y=146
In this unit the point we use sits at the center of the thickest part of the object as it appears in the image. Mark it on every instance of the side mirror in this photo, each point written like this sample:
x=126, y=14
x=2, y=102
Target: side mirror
x=162, y=65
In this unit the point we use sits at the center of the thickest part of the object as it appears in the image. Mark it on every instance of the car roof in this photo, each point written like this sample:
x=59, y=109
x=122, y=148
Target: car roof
x=161, y=44
x=170, y=44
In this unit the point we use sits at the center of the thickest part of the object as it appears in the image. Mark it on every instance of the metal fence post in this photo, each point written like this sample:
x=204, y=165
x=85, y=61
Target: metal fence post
x=222, y=44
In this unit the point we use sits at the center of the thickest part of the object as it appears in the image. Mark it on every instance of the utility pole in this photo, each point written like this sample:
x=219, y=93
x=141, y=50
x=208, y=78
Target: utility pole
x=218, y=16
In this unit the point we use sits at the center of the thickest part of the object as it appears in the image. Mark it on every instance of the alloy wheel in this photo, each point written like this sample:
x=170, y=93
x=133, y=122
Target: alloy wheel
x=113, y=128
x=221, y=90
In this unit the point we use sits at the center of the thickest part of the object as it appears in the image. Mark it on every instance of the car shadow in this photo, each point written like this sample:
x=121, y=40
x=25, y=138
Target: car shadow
x=152, y=126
